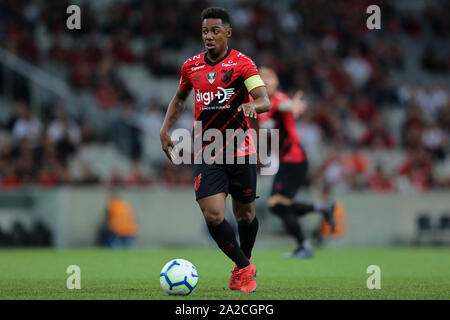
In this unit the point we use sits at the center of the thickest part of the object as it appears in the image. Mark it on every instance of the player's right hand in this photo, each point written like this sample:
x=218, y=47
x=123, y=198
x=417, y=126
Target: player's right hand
x=248, y=109
x=166, y=143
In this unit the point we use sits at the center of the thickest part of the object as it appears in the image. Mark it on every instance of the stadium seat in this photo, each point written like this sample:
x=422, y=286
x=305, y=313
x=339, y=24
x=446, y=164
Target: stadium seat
x=425, y=232
x=444, y=228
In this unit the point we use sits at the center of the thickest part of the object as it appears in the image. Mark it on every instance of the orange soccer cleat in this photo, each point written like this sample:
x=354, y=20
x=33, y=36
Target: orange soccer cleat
x=247, y=278
x=235, y=283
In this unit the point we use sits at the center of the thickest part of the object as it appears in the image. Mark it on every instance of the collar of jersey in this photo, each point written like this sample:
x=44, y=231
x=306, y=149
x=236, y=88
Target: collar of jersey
x=212, y=64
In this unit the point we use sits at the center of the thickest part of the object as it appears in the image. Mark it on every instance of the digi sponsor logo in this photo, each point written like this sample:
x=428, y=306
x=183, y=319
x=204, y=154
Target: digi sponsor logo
x=223, y=95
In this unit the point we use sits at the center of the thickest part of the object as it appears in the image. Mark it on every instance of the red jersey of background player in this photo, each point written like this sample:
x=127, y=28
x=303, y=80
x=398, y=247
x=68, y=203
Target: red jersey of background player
x=219, y=90
x=290, y=147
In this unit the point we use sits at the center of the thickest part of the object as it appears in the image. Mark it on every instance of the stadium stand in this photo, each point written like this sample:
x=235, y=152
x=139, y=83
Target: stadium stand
x=379, y=109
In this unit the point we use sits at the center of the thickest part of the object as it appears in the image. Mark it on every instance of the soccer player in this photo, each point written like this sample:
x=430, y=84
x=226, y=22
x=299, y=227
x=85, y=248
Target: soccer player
x=324, y=232
x=293, y=166
x=222, y=79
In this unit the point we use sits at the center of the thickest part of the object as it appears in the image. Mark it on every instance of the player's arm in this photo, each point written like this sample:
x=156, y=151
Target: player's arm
x=260, y=103
x=176, y=108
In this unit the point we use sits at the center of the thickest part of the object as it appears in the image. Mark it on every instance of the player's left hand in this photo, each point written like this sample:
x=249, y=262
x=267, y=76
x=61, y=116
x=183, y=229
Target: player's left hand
x=248, y=109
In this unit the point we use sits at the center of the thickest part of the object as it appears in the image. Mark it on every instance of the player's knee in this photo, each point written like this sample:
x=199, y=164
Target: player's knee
x=245, y=216
x=212, y=217
x=279, y=199
x=278, y=209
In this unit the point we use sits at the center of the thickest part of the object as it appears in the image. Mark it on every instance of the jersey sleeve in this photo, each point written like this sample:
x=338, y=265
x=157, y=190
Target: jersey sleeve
x=185, y=82
x=250, y=74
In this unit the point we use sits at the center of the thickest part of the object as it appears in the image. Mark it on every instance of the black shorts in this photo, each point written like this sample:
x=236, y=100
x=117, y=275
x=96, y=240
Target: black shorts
x=239, y=180
x=289, y=178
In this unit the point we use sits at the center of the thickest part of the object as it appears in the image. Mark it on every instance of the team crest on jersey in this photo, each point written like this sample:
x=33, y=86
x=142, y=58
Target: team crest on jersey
x=211, y=76
x=227, y=76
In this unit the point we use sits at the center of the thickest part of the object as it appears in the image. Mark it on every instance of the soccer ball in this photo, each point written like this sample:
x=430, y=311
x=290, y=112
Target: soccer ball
x=178, y=277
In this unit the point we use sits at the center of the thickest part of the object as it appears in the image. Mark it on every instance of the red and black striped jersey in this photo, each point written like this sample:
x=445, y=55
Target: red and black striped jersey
x=290, y=145
x=220, y=87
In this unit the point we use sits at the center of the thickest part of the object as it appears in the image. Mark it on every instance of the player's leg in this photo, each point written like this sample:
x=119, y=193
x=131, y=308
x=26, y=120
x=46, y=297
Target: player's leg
x=247, y=225
x=242, y=188
x=213, y=209
x=325, y=208
x=301, y=208
x=282, y=207
x=243, y=191
x=286, y=183
x=247, y=228
x=211, y=189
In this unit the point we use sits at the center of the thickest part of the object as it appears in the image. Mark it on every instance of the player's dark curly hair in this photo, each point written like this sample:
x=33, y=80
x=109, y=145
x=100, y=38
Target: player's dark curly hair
x=216, y=13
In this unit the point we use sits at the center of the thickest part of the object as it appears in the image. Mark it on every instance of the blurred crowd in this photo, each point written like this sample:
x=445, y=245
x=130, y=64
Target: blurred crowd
x=351, y=77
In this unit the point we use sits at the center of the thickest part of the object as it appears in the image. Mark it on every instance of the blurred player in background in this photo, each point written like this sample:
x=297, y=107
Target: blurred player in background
x=292, y=172
x=324, y=232
x=223, y=79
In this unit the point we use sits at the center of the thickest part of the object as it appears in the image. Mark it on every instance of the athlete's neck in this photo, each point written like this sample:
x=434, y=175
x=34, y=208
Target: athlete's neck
x=213, y=58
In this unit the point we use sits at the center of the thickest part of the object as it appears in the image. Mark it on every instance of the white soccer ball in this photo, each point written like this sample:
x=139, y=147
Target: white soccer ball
x=178, y=277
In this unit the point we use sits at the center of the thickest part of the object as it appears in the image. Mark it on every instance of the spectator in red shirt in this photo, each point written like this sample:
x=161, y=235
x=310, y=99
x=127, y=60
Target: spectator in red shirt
x=363, y=109
x=377, y=135
x=9, y=180
x=47, y=178
x=379, y=181
x=418, y=168
x=106, y=94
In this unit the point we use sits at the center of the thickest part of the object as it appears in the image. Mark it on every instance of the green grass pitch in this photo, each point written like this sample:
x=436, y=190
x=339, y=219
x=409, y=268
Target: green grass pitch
x=406, y=273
